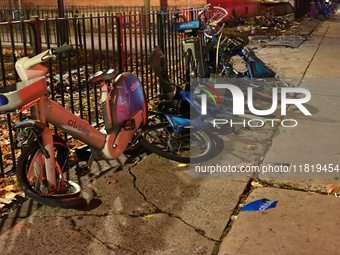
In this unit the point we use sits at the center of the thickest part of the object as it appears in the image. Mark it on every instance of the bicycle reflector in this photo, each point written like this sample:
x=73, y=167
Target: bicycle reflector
x=3, y=100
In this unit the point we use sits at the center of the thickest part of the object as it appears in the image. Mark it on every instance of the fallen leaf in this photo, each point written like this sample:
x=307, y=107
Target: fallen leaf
x=251, y=147
x=256, y=184
x=149, y=216
x=9, y=187
x=113, y=181
x=10, y=195
x=5, y=201
x=183, y=165
x=233, y=217
x=332, y=188
x=3, y=180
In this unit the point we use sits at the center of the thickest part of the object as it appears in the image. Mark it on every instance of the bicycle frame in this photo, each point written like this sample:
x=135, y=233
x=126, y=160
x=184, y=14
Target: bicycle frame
x=124, y=112
x=256, y=67
x=192, y=98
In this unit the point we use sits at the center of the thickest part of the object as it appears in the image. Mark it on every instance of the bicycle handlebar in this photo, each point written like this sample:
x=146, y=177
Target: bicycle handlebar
x=47, y=54
x=62, y=49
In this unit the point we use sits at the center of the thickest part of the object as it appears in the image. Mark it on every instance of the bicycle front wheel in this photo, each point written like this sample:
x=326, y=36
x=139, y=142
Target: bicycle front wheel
x=189, y=146
x=31, y=173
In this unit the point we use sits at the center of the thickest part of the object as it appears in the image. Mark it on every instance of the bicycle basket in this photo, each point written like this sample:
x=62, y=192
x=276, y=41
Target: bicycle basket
x=189, y=25
x=15, y=96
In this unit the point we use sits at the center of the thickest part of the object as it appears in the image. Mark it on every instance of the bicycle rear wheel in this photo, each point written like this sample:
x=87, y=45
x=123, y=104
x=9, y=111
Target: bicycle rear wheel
x=188, y=146
x=31, y=172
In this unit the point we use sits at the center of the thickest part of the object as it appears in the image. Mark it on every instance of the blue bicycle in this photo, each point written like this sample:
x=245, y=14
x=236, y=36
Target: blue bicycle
x=214, y=54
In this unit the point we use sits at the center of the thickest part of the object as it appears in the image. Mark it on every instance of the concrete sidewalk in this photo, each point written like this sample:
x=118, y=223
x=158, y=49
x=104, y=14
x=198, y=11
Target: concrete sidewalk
x=154, y=207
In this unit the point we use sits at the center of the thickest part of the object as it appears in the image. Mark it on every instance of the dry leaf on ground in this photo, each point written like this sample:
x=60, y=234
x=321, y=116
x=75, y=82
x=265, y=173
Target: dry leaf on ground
x=256, y=184
x=183, y=165
x=113, y=181
x=331, y=188
x=9, y=188
x=251, y=147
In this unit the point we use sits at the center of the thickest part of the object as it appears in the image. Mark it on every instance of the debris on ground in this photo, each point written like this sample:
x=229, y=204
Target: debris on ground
x=9, y=191
x=260, y=205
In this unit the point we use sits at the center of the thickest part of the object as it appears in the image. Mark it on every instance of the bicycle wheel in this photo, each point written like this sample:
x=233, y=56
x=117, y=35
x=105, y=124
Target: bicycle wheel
x=31, y=172
x=188, y=146
x=219, y=14
x=214, y=15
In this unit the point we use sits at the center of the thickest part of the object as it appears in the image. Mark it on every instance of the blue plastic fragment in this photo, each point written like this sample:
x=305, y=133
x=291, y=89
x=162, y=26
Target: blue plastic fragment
x=260, y=205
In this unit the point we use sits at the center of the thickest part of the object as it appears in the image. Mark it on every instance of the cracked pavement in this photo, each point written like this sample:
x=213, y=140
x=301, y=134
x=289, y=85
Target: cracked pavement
x=149, y=207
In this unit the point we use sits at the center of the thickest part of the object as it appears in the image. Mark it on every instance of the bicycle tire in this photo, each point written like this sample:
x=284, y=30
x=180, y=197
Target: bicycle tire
x=30, y=162
x=191, y=147
x=219, y=14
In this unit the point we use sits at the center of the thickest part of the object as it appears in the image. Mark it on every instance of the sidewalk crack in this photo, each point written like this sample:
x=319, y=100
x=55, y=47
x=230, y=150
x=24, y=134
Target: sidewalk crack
x=89, y=235
x=246, y=192
x=157, y=210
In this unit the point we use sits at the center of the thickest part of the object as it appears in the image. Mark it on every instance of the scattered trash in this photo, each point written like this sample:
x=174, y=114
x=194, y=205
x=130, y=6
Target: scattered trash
x=331, y=188
x=260, y=205
x=261, y=37
x=288, y=41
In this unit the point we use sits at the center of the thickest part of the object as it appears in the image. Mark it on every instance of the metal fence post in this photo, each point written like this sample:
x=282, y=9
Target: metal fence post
x=160, y=30
x=120, y=43
x=36, y=34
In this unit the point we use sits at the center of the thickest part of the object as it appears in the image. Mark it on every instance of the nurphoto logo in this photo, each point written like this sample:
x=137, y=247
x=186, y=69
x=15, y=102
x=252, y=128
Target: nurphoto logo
x=238, y=102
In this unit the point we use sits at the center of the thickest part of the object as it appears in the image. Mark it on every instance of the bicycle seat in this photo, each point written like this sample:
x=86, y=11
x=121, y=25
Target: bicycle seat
x=105, y=75
x=157, y=62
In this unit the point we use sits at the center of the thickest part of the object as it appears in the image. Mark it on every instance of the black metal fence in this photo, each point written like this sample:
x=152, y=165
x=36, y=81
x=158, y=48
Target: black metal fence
x=27, y=12
x=120, y=41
